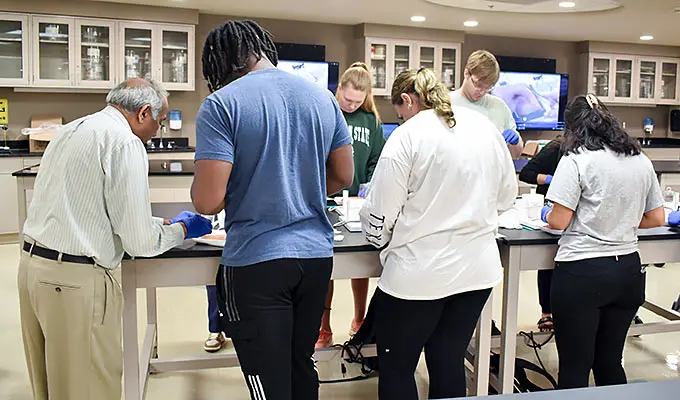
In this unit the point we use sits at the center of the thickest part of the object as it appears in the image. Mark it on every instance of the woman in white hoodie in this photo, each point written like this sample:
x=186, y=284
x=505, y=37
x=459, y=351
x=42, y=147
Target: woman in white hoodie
x=434, y=200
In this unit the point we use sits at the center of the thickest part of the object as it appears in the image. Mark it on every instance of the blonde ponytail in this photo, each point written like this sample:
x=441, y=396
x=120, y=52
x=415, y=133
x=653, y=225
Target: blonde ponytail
x=358, y=77
x=433, y=94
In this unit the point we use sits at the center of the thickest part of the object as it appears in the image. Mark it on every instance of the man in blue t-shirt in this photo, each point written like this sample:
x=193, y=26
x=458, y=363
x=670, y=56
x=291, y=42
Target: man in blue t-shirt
x=269, y=148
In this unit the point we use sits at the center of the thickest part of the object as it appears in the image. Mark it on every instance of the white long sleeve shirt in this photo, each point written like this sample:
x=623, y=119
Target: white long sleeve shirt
x=434, y=201
x=91, y=196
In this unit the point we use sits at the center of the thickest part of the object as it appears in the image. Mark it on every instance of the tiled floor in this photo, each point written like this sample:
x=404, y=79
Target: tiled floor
x=182, y=329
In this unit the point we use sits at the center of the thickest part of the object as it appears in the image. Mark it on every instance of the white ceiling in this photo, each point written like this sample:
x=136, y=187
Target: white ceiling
x=624, y=24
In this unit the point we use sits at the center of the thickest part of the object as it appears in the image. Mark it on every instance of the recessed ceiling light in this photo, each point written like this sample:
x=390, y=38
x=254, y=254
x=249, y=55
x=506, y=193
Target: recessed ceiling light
x=471, y=24
x=646, y=37
x=418, y=18
x=567, y=4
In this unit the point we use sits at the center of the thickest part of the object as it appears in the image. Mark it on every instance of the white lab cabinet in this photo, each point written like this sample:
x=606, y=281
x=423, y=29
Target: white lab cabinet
x=669, y=84
x=63, y=52
x=53, y=47
x=386, y=58
x=634, y=80
x=95, y=52
x=162, y=52
x=14, y=45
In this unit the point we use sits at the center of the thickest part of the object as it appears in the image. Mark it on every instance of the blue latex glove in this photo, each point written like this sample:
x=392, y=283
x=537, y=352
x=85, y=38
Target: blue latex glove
x=544, y=213
x=674, y=218
x=548, y=179
x=511, y=136
x=181, y=216
x=363, y=192
x=197, y=225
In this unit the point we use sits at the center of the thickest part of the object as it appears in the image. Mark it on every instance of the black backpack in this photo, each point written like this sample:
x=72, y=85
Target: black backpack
x=522, y=384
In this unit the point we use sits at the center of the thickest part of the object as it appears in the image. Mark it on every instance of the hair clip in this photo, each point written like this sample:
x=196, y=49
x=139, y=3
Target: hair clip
x=421, y=69
x=592, y=101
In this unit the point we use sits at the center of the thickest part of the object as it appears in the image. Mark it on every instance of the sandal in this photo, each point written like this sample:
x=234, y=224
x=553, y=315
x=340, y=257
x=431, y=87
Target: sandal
x=545, y=325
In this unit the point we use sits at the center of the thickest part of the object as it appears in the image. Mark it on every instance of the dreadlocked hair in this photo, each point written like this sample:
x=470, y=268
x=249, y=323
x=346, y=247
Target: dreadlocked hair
x=228, y=48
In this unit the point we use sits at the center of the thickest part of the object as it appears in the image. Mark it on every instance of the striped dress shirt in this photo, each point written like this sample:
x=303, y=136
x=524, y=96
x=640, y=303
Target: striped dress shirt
x=91, y=196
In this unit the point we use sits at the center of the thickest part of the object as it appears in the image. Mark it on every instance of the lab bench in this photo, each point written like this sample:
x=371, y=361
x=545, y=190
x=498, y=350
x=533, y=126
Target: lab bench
x=524, y=250
x=353, y=257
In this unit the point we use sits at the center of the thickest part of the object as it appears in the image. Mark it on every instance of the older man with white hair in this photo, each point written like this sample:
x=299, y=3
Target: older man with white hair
x=91, y=205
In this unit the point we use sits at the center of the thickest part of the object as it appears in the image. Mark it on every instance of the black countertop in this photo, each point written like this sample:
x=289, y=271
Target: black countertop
x=156, y=168
x=352, y=242
x=26, y=153
x=665, y=167
x=522, y=237
x=660, y=143
x=20, y=148
x=355, y=241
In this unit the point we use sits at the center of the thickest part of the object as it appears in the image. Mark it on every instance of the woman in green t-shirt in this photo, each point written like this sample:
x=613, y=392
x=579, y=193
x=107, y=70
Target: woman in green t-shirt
x=355, y=97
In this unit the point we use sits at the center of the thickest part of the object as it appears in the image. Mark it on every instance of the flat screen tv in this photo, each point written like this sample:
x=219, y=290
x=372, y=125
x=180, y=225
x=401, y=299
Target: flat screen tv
x=537, y=100
x=324, y=74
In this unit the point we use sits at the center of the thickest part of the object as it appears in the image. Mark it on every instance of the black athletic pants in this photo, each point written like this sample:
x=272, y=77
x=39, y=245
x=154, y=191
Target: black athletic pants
x=272, y=311
x=593, y=304
x=443, y=327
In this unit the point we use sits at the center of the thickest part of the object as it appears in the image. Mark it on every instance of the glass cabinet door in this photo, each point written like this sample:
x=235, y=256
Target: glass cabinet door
x=53, y=44
x=647, y=73
x=94, y=52
x=378, y=65
x=669, y=81
x=426, y=57
x=175, y=56
x=402, y=58
x=601, y=69
x=624, y=79
x=137, y=48
x=13, y=49
x=448, y=69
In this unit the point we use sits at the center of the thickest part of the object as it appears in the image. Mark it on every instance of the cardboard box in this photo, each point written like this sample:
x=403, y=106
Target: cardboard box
x=38, y=141
x=530, y=148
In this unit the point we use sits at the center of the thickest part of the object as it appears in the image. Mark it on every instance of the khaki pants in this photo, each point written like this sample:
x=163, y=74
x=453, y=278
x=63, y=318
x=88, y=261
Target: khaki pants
x=71, y=326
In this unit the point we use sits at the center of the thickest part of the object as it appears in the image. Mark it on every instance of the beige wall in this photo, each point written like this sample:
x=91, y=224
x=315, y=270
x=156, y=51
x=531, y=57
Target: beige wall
x=80, y=8
x=341, y=45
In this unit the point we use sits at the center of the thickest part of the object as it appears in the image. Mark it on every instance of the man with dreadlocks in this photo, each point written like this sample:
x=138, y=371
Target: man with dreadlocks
x=270, y=146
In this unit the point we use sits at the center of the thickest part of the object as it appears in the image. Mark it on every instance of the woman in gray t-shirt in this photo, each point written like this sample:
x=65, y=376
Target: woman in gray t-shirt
x=604, y=189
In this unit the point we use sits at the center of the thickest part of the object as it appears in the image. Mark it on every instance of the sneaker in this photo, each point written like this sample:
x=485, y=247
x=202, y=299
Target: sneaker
x=354, y=327
x=325, y=340
x=214, y=342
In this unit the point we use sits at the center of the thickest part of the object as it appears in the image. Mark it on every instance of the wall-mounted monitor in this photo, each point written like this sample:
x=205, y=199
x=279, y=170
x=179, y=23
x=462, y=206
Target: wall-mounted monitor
x=313, y=71
x=537, y=100
x=324, y=74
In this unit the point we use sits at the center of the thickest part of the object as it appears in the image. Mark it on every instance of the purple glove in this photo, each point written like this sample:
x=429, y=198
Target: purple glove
x=674, y=218
x=511, y=136
x=181, y=216
x=544, y=213
x=548, y=179
x=197, y=225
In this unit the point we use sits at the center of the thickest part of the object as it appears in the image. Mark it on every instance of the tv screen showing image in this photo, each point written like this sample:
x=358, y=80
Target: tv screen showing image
x=388, y=129
x=537, y=100
x=313, y=71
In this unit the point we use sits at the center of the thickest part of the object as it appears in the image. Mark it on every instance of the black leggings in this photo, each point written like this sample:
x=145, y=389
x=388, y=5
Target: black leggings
x=272, y=311
x=443, y=327
x=593, y=304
